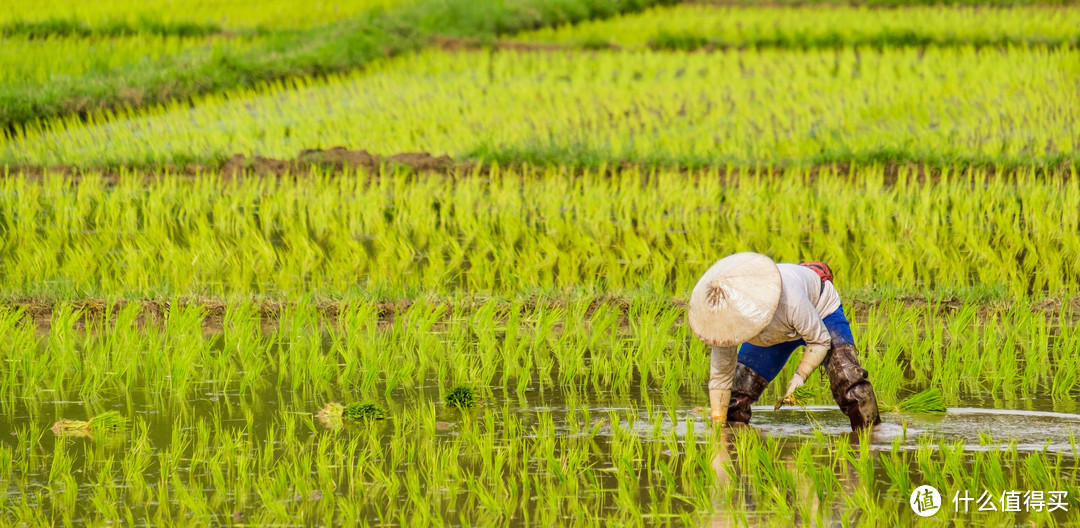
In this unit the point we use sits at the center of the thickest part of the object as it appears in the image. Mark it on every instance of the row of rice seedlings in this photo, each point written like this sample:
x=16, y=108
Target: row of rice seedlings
x=746, y=108
x=502, y=465
x=228, y=14
x=688, y=26
x=514, y=233
x=26, y=62
x=1015, y=356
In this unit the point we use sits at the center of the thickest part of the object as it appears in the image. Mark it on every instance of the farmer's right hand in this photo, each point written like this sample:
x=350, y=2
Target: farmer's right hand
x=796, y=382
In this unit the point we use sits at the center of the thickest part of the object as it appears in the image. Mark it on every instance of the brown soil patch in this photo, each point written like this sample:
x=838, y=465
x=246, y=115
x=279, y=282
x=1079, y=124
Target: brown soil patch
x=154, y=312
x=338, y=159
x=95, y=312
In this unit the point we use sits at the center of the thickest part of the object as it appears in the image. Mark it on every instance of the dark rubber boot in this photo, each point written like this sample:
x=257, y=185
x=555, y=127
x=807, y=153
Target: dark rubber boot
x=746, y=389
x=850, y=387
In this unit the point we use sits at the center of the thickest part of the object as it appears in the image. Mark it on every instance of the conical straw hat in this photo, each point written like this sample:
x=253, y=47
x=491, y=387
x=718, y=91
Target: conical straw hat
x=735, y=299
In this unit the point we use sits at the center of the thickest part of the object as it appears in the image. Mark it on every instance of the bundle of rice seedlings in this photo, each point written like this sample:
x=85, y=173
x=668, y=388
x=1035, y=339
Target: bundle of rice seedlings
x=363, y=411
x=107, y=422
x=332, y=414
x=928, y=401
x=461, y=397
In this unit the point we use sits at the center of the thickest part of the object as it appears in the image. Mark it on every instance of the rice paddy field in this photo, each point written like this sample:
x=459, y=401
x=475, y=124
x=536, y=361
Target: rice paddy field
x=474, y=313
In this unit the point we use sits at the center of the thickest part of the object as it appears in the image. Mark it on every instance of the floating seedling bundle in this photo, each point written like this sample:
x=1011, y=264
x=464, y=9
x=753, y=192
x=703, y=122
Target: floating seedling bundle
x=104, y=423
x=461, y=396
x=333, y=414
x=363, y=411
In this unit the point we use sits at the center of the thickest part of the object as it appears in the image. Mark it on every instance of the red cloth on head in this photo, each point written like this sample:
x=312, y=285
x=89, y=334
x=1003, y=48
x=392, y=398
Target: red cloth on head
x=821, y=268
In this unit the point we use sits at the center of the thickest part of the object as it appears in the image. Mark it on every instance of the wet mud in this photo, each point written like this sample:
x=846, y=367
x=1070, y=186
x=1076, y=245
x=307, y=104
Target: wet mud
x=338, y=159
x=39, y=311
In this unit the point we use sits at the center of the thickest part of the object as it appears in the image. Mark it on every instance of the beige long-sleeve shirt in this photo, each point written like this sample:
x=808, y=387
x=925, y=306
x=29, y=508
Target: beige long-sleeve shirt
x=803, y=305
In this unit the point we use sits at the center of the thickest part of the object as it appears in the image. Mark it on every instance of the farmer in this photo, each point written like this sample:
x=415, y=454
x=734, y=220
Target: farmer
x=770, y=310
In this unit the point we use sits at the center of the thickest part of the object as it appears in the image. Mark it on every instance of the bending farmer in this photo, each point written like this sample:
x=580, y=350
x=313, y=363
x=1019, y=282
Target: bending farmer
x=770, y=310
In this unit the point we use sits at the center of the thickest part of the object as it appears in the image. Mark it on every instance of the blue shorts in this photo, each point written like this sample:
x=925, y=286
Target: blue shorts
x=768, y=361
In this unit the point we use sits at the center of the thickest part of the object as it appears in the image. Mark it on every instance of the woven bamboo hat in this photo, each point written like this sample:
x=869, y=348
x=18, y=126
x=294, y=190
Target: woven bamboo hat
x=735, y=299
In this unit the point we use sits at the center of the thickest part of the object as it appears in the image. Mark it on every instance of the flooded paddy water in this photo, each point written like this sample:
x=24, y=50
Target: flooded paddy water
x=576, y=424
x=540, y=457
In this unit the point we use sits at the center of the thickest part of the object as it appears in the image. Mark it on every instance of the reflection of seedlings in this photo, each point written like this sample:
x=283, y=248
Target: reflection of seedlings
x=108, y=422
x=461, y=397
x=363, y=411
x=928, y=401
x=333, y=413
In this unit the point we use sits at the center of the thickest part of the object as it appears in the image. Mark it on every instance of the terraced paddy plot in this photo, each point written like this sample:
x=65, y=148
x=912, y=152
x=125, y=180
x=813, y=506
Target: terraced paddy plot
x=512, y=233
x=26, y=62
x=955, y=105
x=224, y=13
x=221, y=426
x=689, y=26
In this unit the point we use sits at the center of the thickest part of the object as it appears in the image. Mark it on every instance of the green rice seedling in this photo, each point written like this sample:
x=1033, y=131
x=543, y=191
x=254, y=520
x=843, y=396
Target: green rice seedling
x=461, y=396
x=928, y=401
